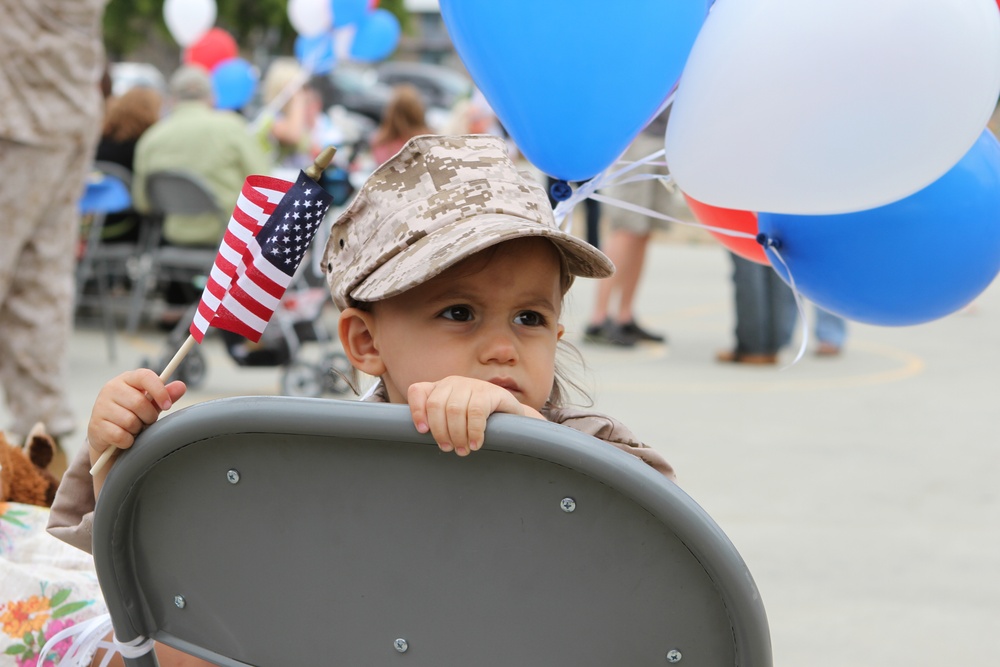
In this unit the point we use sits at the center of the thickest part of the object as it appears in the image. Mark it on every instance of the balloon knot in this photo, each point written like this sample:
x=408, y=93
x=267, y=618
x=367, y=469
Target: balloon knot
x=768, y=242
x=561, y=190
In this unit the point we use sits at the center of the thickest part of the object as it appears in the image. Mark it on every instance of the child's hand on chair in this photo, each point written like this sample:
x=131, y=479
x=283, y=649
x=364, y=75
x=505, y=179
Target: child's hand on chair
x=454, y=410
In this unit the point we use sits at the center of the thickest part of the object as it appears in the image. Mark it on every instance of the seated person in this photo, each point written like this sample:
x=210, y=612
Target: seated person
x=126, y=119
x=462, y=321
x=210, y=144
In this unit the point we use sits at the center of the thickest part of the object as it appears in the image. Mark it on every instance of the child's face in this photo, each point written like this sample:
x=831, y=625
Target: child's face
x=492, y=317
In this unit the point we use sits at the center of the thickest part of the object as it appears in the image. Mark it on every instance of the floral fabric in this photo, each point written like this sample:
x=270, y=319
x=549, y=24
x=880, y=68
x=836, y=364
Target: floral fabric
x=45, y=586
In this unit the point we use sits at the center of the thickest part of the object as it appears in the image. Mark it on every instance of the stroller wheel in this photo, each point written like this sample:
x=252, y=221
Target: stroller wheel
x=336, y=371
x=193, y=369
x=302, y=379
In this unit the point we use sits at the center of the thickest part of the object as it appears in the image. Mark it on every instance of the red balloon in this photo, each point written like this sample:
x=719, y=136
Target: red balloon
x=738, y=221
x=214, y=47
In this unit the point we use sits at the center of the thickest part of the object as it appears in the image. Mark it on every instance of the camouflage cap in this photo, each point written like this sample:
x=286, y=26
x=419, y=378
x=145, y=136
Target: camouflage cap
x=436, y=202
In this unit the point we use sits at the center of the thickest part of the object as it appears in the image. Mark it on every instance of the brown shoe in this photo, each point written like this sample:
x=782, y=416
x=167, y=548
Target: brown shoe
x=827, y=350
x=735, y=357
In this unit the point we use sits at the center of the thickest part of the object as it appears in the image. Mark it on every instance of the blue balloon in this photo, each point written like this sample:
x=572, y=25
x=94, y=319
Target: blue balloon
x=574, y=81
x=376, y=37
x=346, y=12
x=317, y=53
x=912, y=261
x=234, y=82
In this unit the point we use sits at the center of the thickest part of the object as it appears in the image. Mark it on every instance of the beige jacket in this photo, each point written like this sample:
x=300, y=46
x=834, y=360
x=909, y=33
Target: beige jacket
x=71, y=519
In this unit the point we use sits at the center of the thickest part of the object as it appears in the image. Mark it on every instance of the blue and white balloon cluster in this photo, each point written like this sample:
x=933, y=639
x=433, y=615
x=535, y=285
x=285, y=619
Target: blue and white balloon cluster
x=851, y=131
x=333, y=30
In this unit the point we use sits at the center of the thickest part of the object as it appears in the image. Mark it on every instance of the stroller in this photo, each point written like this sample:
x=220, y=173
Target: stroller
x=297, y=321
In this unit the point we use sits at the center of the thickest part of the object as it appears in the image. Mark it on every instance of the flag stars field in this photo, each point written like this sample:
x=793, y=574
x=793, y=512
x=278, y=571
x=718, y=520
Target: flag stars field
x=242, y=294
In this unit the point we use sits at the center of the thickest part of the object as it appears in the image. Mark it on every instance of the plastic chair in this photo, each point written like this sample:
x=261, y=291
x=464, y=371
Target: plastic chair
x=107, y=191
x=172, y=192
x=296, y=531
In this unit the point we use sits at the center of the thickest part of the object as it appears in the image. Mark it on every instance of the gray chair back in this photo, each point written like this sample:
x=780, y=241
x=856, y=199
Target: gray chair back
x=115, y=170
x=171, y=192
x=295, y=531
x=179, y=192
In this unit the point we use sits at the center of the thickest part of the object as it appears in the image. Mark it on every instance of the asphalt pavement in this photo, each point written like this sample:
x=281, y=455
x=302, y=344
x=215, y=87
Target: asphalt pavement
x=861, y=490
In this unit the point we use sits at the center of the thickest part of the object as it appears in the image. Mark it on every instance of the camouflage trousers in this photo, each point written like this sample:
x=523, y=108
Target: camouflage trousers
x=39, y=225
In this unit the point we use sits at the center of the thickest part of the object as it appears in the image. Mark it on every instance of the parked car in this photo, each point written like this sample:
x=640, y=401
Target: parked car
x=440, y=86
x=356, y=89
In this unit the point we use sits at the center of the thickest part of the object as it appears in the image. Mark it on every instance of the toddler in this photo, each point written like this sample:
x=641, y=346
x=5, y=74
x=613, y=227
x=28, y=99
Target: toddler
x=449, y=271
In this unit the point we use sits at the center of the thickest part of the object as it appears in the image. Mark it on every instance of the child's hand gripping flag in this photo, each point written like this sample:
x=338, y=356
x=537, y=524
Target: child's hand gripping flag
x=270, y=230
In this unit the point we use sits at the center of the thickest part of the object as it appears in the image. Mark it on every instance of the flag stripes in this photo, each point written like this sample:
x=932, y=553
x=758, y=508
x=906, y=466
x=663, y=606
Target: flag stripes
x=258, y=199
x=268, y=234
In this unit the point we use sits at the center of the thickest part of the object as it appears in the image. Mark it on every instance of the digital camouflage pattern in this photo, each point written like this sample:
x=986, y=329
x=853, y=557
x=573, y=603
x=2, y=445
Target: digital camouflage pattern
x=436, y=202
x=51, y=60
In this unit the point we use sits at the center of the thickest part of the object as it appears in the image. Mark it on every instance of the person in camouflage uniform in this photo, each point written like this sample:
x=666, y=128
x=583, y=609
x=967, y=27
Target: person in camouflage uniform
x=51, y=62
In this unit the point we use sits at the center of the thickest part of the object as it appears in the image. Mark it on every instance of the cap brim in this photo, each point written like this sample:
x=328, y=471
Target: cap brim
x=445, y=247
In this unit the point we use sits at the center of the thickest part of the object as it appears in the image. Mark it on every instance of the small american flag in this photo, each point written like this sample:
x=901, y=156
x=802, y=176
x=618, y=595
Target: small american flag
x=269, y=232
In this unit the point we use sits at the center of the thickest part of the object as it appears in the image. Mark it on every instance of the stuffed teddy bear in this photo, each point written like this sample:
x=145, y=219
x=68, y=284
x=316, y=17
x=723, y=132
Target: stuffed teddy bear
x=24, y=477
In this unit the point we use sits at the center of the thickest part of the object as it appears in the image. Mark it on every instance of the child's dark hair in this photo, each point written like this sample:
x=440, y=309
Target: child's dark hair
x=564, y=381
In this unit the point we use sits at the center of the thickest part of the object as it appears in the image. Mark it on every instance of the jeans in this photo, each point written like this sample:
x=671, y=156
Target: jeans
x=830, y=328
x=766, y=312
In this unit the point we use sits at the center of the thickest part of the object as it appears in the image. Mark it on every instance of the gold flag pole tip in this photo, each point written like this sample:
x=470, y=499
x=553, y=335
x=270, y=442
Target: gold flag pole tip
x=322, y=161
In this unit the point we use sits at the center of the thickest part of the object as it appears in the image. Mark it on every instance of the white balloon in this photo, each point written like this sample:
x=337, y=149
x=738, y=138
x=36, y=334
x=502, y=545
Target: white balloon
x=310, y=17
x=829, y=106
x=189, y=20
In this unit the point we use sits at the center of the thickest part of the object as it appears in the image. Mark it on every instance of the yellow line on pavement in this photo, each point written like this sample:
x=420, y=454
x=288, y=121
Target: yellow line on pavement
x=908, y=365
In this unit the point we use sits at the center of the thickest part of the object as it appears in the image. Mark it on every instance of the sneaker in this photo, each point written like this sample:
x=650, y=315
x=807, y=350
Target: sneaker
x=634, y=330
x=608, y=333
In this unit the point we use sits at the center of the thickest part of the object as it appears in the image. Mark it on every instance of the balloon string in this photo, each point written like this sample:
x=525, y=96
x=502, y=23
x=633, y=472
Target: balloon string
x=605, y=178
x=608, y=177
x=618, y=177
x=620, y=203
x=773, y=246
x=667, y=101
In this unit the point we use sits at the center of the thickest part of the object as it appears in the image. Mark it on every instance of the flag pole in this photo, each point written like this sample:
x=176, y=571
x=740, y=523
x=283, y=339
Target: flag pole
x=313, y=171
x=178, y=358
